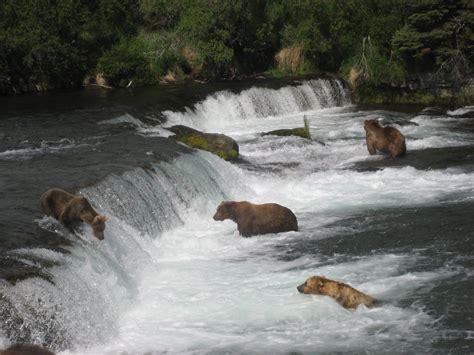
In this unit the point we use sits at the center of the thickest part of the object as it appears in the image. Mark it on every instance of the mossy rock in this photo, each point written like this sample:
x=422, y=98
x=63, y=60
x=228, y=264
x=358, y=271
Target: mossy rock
x=298, y=132
x=218, y=144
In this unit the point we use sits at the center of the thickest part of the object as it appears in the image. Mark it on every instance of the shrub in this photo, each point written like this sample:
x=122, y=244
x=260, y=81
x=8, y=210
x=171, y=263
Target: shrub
x=371, y=67
x=126, y=62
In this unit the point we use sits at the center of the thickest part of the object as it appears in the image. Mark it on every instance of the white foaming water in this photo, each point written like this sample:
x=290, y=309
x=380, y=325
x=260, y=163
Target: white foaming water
x=45, y=147
x=224, y=109
x=98, y=280
x=167, y=278
x=461, y=111
x=125, y=119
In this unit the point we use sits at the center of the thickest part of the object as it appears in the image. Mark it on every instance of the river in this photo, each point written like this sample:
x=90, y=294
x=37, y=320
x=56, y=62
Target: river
x=168, y=278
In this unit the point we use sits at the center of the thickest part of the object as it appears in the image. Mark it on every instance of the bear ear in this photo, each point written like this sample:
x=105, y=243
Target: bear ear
x=101, y=218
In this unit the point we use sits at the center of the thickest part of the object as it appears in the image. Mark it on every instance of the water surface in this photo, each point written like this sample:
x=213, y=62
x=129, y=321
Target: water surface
x=167, y=278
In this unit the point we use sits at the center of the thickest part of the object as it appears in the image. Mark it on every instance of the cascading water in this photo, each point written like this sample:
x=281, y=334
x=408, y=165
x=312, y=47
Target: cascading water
x=168, y=278
x=224, y=108
x=90, y=286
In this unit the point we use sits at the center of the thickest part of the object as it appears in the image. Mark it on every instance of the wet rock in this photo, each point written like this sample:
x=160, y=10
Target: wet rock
x=302, y=132
x=219, y=144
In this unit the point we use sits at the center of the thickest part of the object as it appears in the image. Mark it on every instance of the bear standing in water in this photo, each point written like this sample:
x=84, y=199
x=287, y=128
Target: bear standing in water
x=384, y=139
x=71, y=209
x=254, y=219
x=345, y=295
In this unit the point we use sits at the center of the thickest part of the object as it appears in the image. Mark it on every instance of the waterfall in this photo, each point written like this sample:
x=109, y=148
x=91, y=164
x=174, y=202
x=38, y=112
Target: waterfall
x=260, y=103
x=88, y=285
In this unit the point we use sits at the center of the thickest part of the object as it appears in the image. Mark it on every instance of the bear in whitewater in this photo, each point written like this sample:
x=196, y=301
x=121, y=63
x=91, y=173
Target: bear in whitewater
x=255, y=219
x=384, y=139
x=345, y=295
x=71, y=209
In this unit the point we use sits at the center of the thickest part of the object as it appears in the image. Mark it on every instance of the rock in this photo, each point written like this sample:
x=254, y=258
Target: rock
x=218, y=144
x=299, y=132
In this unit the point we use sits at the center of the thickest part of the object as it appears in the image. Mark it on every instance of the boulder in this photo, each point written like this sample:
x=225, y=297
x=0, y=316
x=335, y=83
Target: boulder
x=302, y=132
x=218, y=144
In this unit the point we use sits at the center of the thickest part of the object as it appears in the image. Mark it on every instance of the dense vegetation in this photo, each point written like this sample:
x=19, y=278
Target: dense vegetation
x=58, y=43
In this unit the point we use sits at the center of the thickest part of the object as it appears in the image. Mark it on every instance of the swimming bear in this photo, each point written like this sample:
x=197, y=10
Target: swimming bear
x=70, y=209
x=255, y=219
x=344, y=294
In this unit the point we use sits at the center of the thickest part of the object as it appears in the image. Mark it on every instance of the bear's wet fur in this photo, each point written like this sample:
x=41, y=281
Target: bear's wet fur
x=344, y=294
x=70, y=209
x=384, y=139
x=25, y=349
x=253, y=219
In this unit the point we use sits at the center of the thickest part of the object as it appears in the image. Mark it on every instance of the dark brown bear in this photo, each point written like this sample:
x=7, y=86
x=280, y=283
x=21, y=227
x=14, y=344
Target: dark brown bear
x=254, y=219
x=25, y=349
x=71, y=209
x=344, y=294
x=384, y=139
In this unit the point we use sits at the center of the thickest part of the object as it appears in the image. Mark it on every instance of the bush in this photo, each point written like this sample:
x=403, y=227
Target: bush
x=126, y=62
x=371, y=67
x=165, y=53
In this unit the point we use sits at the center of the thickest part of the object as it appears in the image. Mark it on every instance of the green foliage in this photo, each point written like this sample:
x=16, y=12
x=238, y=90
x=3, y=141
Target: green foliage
x=228, y=35
x=372, y=67
x=164, y=52
x=435, y=32
x=161, y=15
x=54, y=43
x=126, y=62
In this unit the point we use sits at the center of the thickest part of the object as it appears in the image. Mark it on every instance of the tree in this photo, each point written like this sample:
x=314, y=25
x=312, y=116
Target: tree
x=436, y=32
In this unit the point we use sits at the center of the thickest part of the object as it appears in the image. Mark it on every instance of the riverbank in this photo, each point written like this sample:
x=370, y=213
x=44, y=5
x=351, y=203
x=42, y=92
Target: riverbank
x=438, y=95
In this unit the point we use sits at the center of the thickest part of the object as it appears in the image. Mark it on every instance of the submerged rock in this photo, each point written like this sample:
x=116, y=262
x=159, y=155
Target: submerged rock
x=218, y=144
x=302, y=132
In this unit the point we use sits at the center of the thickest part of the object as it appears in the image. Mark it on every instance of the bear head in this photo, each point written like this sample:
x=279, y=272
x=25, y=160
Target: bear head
x=319, y=285
x=371, y=125
x=98, y=226
x=224, y=211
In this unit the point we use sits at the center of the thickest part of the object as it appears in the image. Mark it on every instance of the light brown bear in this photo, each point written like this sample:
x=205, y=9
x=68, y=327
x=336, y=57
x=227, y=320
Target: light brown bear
x=25, y=349
x=71, y=209
x=255, y=219
x=346, y=295
x=384, y=139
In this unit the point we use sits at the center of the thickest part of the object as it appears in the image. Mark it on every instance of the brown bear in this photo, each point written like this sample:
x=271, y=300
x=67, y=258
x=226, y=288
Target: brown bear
x=346, y=295
x=384, y=139
x=255, y=219
x=25, y=349
x=70, y=209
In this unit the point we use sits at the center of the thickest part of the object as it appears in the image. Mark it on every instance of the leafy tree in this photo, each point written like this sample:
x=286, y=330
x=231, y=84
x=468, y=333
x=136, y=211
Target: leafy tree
x=125, y=63
x=54, y=43
x=436, y=31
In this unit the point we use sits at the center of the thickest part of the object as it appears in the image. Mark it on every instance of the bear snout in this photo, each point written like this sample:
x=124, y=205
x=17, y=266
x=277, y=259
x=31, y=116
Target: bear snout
x=218, y=216
x=99, y=236
x=300, y=288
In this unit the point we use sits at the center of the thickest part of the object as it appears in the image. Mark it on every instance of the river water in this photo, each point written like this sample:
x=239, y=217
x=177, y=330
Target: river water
x=168, y=278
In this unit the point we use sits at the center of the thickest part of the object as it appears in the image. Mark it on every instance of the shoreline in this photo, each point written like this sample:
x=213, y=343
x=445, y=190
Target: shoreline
x=443, y=94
